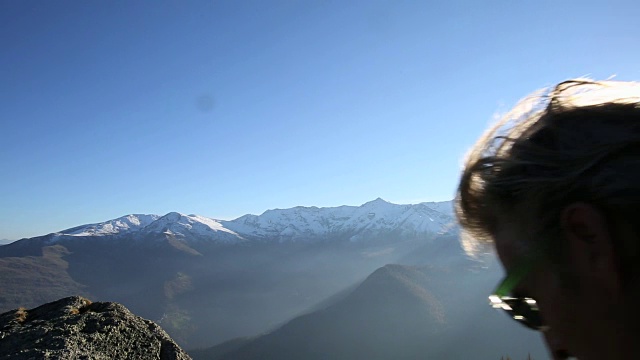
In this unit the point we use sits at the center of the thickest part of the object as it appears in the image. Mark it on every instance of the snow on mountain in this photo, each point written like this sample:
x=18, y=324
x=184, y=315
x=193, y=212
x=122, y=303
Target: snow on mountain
x=125, y=224
x=308, y=222
x=173, y=223
x=190, y=225
x=298, y=223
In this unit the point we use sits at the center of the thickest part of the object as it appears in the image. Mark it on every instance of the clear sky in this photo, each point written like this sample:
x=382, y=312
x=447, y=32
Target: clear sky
x=222, y=108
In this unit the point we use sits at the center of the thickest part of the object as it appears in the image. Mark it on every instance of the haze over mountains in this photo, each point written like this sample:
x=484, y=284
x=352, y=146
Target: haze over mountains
x=398, y=312
x=208, y=281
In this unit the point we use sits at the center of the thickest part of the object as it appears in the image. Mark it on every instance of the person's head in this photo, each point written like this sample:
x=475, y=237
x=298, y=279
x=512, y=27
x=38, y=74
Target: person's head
x=556, y=184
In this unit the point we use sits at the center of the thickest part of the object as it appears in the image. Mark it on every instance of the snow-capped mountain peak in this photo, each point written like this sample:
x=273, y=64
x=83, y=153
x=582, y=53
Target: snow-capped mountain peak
x=124, y=224
x=357, y=221
x=295, y=224
x=175, y=223
x=377, y=202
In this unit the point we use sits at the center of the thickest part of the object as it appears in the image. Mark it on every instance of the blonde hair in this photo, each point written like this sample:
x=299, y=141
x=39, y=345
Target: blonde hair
x=576, y=141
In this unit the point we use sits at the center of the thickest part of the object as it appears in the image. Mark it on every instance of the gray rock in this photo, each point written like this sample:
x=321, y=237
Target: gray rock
x=76, y=328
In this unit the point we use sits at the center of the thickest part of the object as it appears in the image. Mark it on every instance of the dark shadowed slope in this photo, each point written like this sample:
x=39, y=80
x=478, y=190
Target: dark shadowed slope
x=32, y=280
x=399, y=312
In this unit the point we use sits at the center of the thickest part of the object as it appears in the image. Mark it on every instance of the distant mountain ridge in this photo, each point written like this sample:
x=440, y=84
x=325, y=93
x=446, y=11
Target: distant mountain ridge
x=294, y=224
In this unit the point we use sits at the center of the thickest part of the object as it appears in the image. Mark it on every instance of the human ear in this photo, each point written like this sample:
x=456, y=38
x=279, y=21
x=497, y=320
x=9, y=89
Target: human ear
x=590, y=247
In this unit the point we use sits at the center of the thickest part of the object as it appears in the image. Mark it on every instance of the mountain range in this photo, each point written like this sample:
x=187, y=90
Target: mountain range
x=244, y=284
x=295, y=224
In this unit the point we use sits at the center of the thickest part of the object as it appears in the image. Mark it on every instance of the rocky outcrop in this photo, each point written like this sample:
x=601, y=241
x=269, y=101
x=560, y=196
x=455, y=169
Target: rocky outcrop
x=76, y=328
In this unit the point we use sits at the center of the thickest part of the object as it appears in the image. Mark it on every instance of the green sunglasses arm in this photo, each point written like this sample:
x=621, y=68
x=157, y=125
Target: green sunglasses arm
x=514, y=278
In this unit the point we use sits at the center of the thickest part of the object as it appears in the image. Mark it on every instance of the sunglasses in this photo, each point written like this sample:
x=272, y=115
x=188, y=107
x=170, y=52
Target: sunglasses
x=521, y=309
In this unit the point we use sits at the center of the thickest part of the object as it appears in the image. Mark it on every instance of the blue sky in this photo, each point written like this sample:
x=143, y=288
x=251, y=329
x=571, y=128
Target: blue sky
x=222, y=108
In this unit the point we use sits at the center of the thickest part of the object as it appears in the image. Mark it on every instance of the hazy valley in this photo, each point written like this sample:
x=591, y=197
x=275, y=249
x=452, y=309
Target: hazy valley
x=305, y=282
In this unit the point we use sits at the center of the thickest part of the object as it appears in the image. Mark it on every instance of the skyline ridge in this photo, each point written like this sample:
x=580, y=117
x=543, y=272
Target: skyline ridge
x=377, y=199
x=287, y=218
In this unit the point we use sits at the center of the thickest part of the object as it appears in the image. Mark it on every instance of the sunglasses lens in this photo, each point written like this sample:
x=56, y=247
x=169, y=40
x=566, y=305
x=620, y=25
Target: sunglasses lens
x=523, y=310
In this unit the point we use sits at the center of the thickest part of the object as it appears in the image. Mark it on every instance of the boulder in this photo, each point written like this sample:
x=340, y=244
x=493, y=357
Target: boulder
x=76, y=328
